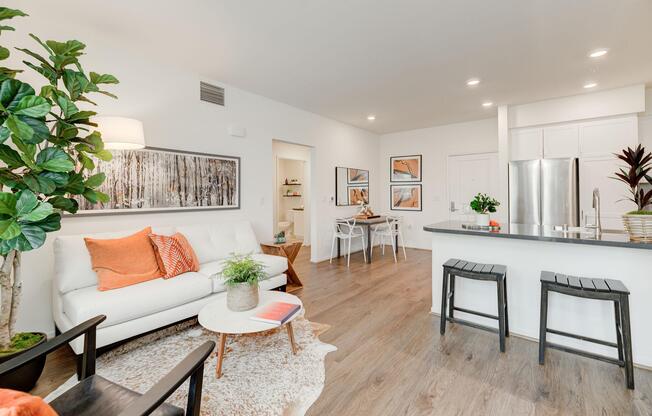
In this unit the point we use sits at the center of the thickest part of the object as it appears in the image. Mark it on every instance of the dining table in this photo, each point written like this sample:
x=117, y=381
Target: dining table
x=367, y=223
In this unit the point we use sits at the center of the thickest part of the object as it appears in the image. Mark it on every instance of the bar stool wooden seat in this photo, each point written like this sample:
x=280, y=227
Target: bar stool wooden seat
x=476, y=271
x=601, y=289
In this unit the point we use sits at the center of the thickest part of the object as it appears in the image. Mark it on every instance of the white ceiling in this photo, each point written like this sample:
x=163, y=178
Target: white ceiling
x=406, y=61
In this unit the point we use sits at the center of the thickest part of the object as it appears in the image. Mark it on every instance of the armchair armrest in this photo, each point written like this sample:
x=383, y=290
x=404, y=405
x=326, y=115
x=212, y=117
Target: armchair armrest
x=87, y=328
x=192, y=366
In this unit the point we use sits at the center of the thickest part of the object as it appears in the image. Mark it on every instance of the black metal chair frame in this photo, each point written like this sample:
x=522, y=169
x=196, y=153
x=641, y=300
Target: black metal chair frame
x=192, y=366
x=476, y=271
x=600, y=289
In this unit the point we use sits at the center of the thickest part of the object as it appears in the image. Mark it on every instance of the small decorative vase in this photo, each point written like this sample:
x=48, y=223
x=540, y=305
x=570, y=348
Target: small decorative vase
x=639, y=227
x=482, y=220
x=241, y=297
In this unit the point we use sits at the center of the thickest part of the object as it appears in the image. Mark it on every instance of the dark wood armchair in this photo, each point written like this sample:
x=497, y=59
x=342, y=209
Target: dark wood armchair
x=97, y=396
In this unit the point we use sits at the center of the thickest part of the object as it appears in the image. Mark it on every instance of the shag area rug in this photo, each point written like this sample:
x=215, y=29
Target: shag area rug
x=260, y=375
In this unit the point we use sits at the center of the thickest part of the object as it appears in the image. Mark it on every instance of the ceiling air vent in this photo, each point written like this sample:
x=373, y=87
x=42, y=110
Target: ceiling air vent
x=211, y=93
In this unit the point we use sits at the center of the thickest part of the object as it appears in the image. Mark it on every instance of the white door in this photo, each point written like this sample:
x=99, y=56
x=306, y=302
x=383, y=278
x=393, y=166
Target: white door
x=469, y=175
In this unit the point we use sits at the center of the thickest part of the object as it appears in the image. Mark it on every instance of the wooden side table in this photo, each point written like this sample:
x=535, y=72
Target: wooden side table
x=290, y=250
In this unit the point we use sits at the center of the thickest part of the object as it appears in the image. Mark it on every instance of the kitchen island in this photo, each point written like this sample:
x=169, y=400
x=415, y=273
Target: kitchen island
x=526, y=251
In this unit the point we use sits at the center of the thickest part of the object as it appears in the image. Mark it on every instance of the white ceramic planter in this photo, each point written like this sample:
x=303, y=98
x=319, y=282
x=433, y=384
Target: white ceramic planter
x=639, y=227
x=482, y=220
x=241, y=297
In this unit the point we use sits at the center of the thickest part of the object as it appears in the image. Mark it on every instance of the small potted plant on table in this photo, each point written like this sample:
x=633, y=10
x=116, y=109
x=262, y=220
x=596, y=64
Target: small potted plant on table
x=483, y=204
x=636, y=175
x=242, y=274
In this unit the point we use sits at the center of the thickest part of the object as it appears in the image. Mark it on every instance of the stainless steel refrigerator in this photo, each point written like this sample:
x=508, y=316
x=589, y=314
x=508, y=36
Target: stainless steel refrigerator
x=544, y=192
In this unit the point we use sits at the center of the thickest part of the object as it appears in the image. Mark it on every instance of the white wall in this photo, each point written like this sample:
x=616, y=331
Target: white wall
x=435, y=144
x=645, y=122
x=165, y=97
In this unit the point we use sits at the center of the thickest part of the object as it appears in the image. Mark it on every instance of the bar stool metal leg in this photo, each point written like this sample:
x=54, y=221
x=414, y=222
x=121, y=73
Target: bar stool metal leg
x=501, y=313
x=451, y=290
x=444, y=298
x=543, y=323
x=619, y=331
x=627, y=341
x=506, y=306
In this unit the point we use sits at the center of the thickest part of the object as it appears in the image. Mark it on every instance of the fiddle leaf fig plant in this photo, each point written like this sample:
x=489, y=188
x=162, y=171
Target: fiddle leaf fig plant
x=484, y=204
x=47, y=149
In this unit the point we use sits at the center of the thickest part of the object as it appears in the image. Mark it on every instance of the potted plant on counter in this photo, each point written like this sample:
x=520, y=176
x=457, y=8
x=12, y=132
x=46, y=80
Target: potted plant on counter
x=242, y=274
x=483, y=204
x=47, y=148
x=636, y=175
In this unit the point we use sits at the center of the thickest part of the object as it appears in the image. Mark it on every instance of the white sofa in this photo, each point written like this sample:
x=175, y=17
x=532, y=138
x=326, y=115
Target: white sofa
x=137, y=309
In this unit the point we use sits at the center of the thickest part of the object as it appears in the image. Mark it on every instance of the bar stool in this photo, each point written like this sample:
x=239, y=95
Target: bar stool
x=476, y=271
x=601, y=289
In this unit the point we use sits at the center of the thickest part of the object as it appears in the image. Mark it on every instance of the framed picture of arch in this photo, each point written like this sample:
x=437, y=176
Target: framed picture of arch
x=405, y=197
x=405, y=168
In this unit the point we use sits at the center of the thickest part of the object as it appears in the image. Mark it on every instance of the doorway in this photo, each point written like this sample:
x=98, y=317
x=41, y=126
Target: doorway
x=469, y=175
x=292, y=190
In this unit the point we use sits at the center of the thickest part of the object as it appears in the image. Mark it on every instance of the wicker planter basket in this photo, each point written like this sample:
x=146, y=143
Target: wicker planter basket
x=639, y=227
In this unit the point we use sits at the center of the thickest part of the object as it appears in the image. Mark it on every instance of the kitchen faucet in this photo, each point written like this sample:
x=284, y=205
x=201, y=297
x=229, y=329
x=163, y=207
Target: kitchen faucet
x=596, y=206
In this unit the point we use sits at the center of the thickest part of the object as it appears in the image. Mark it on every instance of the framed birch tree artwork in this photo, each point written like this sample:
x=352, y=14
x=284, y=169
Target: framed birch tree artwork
x=154, y=179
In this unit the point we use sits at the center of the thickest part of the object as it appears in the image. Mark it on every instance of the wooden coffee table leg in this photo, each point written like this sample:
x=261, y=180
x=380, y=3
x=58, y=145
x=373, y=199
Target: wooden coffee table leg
x=291, y=336
x=220, y=356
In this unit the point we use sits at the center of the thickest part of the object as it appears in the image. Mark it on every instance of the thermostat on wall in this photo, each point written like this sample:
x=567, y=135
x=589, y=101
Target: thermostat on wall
x=237, y=131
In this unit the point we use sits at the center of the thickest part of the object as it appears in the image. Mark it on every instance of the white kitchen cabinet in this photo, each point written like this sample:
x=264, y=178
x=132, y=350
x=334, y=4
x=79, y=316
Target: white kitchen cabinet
x=597, y=172
x=561, y=141
x=605, y=137
x=526, y=144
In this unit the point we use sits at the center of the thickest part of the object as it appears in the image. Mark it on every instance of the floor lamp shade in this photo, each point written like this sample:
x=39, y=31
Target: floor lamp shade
x=121, y=132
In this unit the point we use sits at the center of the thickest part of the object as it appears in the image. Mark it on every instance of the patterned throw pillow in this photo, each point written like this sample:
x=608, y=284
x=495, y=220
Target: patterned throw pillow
x=174, y=254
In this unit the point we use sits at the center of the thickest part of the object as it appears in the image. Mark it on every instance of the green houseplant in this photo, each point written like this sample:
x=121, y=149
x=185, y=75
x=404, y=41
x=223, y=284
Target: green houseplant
x=636, y=175
x=47, y=148
x=241, y=276
x=483, y=204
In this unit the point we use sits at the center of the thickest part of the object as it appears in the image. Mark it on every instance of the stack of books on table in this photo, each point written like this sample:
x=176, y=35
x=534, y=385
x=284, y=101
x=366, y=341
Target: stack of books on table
x=277, y=313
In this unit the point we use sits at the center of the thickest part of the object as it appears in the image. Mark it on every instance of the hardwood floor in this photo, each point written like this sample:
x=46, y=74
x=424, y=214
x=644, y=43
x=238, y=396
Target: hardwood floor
x=392, y=361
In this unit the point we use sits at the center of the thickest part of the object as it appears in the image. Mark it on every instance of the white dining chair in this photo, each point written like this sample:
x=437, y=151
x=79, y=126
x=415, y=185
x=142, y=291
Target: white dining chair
x=390, y=229
x=345, y=229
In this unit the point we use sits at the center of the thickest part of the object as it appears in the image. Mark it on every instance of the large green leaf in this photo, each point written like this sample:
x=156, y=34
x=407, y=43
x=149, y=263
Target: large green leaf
x=50, y=223
x=75, y=184
x=26, y=202
x=42, y=210
x=19, y=129
x=104, y=155
x=4, y=134
x=39, y=184
x=58, y=178
x=4, y=53
x=68, y=107
x=7, y=203
x=12, y=91
x=95, y=180
x=103, y=79
x=10, y=156
x=71, y=47
x=7, y=13
x=32, y=106
x=54, y=160
x=32, y=237
x=64, y=204
x=44, y=70
x=41, y=131
x=9, y=229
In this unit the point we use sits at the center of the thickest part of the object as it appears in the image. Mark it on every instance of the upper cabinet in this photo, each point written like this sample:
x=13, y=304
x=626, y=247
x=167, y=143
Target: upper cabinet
x=526, y=144
x=583, y=139
x=605, y=137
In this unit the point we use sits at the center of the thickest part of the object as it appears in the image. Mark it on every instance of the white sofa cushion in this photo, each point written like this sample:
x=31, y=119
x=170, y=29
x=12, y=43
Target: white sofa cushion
x=136, y=301
x=274, y=265
x=72, y=262
x=200, y=239
x=233, y=237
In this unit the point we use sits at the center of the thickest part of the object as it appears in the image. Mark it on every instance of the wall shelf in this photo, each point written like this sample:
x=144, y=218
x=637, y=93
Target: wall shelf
x=292, y=196
x=290, y=184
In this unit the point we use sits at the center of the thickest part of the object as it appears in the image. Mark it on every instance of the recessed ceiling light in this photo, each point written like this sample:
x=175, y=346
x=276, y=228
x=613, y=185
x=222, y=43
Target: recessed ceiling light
x=598, y=53
x=589, y=85
x=487, y=104
x=371, y=117
x=472, y=82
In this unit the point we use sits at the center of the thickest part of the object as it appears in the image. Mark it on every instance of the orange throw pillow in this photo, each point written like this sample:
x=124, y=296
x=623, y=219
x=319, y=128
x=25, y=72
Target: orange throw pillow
x=126, y=261
x=174, y=254
x=17, y=403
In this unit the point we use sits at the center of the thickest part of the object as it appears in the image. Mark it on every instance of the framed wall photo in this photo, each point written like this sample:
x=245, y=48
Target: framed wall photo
x=356, y=176
x=405, y=168
x=358, y=194
x=159, y=180
x=405, y=197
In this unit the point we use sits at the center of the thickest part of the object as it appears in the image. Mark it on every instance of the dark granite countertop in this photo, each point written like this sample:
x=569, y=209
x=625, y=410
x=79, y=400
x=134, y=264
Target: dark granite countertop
x=612, y=238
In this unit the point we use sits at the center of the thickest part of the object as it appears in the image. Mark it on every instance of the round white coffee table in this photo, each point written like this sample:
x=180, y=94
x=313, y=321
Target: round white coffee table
x=216, y=317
